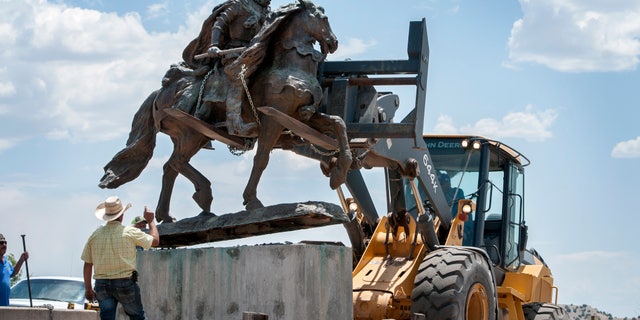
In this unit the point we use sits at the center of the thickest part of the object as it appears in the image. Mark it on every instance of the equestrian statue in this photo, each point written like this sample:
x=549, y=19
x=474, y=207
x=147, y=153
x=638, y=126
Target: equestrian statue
x=250, y=79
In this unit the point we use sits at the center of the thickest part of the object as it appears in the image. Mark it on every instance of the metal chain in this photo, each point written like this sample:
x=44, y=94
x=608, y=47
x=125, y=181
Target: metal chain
x=241, y=76
x=314, y=148
x=236, y=151
x=204, y=81
x=247, y=143
x=322, y=153
x=240, y=151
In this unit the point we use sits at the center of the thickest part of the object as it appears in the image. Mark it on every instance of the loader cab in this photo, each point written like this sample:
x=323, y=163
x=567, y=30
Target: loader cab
x=491, y=174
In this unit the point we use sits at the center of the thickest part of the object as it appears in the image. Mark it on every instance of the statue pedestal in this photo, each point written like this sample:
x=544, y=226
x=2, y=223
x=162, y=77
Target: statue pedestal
x=207, y=228
x=294, y=281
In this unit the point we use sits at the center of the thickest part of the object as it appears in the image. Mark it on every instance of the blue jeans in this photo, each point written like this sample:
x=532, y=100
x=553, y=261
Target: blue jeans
x=125, y=291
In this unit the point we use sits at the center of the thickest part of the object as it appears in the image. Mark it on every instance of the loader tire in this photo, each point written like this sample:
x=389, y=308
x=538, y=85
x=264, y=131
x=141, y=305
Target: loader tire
x=454, y=284
x=544, y=311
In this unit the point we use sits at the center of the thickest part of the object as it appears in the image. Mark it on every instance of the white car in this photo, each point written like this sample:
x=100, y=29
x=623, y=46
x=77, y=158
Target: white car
x=49, y=292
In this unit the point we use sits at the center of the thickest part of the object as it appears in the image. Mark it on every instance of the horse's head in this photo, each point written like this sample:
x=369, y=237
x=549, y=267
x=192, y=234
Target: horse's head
x=317, y=25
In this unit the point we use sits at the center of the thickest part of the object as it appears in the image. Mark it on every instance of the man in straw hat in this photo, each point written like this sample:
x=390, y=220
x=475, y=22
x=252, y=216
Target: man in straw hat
x=111, y=253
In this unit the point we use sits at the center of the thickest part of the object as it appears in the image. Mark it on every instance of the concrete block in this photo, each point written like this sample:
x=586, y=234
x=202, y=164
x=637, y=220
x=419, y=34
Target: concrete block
x=282, y=281
x=23, y=313
x=75, y=315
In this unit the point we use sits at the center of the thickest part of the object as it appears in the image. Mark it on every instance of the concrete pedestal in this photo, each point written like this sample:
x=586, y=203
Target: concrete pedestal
x=282, y=281
x=25, y=313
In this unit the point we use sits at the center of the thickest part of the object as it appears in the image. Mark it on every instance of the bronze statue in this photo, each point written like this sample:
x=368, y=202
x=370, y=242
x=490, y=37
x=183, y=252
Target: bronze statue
x=232, y=25
x=278, y=72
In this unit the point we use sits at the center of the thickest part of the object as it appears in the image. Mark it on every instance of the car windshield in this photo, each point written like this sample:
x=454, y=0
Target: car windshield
x=50, y=289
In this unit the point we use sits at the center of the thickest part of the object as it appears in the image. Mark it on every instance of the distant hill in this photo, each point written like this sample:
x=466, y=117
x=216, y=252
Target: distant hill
x=590, y=313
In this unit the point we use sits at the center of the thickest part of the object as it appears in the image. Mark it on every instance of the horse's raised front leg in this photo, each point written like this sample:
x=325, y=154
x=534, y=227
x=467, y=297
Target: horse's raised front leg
x=323, y=123
x=268, y=136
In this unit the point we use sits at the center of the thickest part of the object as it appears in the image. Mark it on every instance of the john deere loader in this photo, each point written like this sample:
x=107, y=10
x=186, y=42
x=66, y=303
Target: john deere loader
x=476, y=266
x=452, y=243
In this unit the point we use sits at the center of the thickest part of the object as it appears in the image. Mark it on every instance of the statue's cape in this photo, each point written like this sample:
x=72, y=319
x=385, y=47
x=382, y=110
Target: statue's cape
x=202, y=43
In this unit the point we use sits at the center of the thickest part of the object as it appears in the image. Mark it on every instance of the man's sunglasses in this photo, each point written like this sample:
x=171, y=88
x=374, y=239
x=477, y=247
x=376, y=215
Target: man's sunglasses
x=3, y=243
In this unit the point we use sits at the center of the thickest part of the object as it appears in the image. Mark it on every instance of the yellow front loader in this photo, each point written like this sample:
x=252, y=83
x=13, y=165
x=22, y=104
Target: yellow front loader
x=452, y=242
x=477, y=268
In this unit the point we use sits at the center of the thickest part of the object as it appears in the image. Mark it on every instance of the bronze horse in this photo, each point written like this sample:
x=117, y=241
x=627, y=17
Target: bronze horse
x=280, y=67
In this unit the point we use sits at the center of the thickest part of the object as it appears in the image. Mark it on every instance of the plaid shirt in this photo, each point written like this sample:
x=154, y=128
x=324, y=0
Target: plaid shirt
x=112, y=250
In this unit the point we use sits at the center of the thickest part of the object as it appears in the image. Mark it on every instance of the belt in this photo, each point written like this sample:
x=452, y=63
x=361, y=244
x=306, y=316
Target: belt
x=134, y=277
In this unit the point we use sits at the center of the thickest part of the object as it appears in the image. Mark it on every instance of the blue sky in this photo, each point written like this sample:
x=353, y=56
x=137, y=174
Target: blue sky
x=556, y=79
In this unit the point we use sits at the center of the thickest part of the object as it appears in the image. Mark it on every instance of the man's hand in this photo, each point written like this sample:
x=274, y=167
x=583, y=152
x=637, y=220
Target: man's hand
x=16, y=269
x=214, y=52
x=153, y=230
x=90, y=294
x=148, y=215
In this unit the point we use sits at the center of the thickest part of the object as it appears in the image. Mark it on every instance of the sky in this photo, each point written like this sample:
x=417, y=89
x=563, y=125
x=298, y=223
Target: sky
x=555, y=79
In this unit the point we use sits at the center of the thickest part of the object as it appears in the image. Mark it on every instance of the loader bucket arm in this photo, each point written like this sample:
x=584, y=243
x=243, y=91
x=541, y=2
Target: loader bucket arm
x=376, y=140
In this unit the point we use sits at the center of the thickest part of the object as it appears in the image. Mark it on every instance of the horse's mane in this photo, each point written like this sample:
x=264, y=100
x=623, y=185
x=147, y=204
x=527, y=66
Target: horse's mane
x=253, y=56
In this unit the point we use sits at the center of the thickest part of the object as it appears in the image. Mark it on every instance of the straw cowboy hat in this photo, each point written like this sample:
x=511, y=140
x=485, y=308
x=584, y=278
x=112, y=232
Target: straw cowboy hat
x=111, y=209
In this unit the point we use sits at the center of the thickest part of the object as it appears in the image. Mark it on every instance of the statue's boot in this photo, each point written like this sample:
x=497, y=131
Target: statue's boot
x=237, y=127
x=235, y=124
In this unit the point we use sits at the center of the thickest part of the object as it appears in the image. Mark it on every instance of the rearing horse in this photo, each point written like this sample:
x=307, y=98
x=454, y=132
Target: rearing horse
x=281, y=67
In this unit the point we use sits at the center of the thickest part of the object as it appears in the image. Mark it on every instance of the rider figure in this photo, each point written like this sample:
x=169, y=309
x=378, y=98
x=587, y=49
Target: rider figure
x=236, y=23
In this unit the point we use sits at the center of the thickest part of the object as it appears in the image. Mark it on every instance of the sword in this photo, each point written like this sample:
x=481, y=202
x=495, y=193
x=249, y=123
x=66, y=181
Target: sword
x=219, y=53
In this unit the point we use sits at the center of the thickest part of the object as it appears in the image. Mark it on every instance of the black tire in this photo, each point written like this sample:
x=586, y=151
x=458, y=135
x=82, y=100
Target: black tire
x=454, y=284
x=544, y=311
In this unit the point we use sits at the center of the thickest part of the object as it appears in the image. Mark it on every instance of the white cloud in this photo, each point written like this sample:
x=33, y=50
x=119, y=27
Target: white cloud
x=7, y=35
x=158, y=10
x=577, y=36
x=58, y=134
x=351, y=49
x=71, y=64
x=529, y=124
x=627, y=149
x=445, y=125
x=7, y=89
x=295, y=162
x=6, y=144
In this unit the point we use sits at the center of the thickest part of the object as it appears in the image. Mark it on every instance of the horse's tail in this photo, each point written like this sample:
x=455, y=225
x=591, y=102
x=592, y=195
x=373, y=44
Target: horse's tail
x=127, y=164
